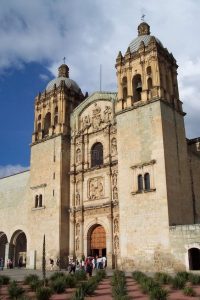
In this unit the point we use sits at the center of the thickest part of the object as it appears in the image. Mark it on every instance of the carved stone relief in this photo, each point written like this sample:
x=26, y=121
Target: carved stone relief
x=116, y=244
x=107, y=114
x=116, y=226
x=77, y=244
x=96, y=188
x=86, y=122
x=77, y=229
x=78, y=200
x=114, y=185
x=96, y=117
x=78, y=156
x=113, y=146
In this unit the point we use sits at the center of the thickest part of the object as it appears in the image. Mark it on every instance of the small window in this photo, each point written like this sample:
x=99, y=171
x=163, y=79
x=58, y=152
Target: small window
x=148, y=70
x=97, y=155
x=55, y=120
x=140, y=183
x=56, y=110
x=36, y=201
x=40, y=200
x=47, y=123
x=78, y=156
x=39, y=117
x=39, y=126
x=149, y=83
x=137, y=87
x=147, y=181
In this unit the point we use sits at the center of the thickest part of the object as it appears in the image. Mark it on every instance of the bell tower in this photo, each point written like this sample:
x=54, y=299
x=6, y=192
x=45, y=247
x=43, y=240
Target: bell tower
x=153, y=180
x=146, y=72
x=50, y=165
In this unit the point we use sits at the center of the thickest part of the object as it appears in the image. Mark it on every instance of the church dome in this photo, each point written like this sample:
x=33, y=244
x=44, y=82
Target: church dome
x=143, y=36
x=63, y=75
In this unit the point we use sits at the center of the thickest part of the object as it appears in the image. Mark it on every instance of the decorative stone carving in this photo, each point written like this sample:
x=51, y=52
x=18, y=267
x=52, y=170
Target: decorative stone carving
x=115, y=193
x=96, y=117
x=116, y=244
x=116, y=226
x=78, y=156
x=77, y=244
x=114, y=185
x=78, y=198
x=77, y=229
x=114, y=146
x=86, y=122
x=107, y=114
x=96, y=188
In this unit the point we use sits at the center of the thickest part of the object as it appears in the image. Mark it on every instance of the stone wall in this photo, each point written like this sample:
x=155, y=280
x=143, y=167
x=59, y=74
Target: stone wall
x=182, y=238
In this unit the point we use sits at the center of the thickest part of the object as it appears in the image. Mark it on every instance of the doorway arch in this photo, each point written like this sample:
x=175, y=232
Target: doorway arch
x=194, y=258
x=97, y=240
x=3, y=242
x=18, y=248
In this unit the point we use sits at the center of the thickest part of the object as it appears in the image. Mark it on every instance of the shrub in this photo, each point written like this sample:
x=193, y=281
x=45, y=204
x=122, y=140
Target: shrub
x=148, y=284
x=70, y=281
x=80, y=275
x=35, y=284
x=138, y=276
x=59, y=285
x=178, y=282
x=79, y=294
x=29, y=278
x=100, y=274
x=119, y=285
x=188, y=291
x=43, y=293
x=4, y=279
x=157, y=293
x=14, y=290
x=183, y=274
x=163, y=278
x=194, y=279
x=56, y=275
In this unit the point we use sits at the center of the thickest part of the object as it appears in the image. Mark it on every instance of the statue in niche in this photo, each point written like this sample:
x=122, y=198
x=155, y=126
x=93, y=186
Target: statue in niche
x=114, y=146
x=107, y=114
x=116, y=226
x=114, y=179
x=86, y=122
x=78, y=198
x=77, y=244
x=116, y=243
x=115, y=193
x=96, y=188
x=96, y=118
x=78, y=156
x=77, y=229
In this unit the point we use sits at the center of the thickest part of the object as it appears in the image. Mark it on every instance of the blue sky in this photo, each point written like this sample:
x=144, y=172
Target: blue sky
x=36, y=35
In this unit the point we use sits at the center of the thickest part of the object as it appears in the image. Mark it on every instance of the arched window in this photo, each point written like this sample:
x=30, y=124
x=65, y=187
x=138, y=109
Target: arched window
x=56, y=110
x=140, y=183
x=97, y=155
x=36, y=201
x=39, y=126
x=147, y=181
x=148, y=70
x=137, y=87
x=55, y=120
x=47, y=123
x=149, y=83
x=40, y=200
x=39, y=117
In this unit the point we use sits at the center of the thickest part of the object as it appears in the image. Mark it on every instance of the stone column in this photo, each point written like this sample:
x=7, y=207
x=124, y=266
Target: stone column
x=6, y=254
x=109, y=238
x=71, y=235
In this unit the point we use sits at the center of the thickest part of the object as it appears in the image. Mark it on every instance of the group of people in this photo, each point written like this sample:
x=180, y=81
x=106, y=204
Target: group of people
x=88, y=264
x=9, y=264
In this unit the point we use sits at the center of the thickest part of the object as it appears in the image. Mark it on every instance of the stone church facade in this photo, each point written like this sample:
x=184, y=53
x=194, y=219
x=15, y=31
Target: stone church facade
x=111, y=173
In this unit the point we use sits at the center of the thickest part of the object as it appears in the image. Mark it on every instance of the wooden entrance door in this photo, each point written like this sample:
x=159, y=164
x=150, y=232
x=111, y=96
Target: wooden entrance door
x=98, y=241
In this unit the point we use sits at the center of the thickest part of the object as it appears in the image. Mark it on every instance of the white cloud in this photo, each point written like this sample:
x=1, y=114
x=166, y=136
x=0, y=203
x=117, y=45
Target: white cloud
x=44, y=77
x=91, y=32
x=11, y=169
